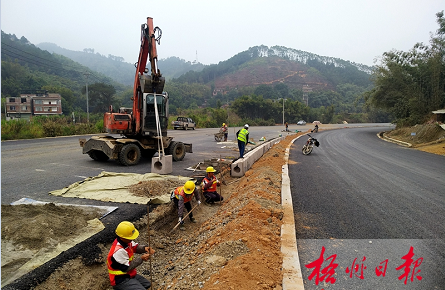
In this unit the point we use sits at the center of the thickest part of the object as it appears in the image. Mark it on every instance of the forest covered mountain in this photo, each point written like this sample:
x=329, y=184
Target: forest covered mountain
x=116, y=68
x=253, y=67
x=272, y=73
x=269, y=66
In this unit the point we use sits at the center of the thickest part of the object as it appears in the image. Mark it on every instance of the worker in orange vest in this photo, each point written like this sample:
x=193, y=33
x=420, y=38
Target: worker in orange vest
x=121, y=261
x=183, y=196
x=209, y=184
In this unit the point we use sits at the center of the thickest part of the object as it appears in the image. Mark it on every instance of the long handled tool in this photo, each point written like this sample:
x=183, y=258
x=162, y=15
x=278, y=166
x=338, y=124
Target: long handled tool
x=149, y=245
x=220, y=187
x=199, y=163
x=184, y=218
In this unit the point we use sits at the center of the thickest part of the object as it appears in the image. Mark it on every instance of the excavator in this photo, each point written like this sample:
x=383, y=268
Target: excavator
x=143, y=128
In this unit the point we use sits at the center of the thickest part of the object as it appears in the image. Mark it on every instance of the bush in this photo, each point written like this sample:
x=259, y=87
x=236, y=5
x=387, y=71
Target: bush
x=21, y=129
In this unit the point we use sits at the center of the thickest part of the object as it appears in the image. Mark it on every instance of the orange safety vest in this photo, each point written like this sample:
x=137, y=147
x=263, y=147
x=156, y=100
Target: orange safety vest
x=113, y=272
x=180, y=192
x=211, y=188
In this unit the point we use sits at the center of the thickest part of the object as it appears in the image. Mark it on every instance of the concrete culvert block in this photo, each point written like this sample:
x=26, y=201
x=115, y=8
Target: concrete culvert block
x=256, y=153
x=162, y=165
x=237, y=169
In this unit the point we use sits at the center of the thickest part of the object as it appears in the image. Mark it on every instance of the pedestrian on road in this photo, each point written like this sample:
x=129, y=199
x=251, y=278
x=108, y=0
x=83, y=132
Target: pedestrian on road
x=243, y=138
x=287, y=127
x=121, y=261
x=183, y=196
x=209, y=184
x=225, y=130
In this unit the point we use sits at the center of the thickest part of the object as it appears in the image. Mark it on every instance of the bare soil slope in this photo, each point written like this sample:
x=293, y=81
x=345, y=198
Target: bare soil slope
x=427, y=137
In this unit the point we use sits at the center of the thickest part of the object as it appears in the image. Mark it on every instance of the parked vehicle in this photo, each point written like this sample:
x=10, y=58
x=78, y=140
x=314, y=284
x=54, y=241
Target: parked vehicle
x=309, y=146
x=301, y=122
x=184, y=123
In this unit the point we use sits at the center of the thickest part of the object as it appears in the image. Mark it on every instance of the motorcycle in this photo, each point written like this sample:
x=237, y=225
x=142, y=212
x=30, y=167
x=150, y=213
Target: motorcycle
x=315, y=130
x=309, y=146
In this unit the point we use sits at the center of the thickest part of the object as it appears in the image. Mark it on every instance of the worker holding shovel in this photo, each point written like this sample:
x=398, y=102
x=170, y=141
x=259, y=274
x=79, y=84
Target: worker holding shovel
x=183, y=196
x=121, y=261
x=209, y=184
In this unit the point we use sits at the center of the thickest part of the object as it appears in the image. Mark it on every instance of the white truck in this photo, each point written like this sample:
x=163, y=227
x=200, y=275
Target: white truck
x=184, y=123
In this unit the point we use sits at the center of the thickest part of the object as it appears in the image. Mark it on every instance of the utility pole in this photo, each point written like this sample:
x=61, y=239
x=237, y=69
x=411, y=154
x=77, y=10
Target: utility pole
x=283, y=111
x=88, y=110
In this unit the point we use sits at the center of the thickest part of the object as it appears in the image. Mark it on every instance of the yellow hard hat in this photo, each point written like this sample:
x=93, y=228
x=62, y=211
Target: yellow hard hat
x=210, y=169
x=127, y=231
x=189, y=187
x=224, y=124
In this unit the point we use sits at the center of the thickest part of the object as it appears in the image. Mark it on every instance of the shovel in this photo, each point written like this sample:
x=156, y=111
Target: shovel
x=184, y=218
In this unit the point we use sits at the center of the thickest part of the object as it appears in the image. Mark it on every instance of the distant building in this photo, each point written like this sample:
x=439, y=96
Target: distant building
x=36, y=104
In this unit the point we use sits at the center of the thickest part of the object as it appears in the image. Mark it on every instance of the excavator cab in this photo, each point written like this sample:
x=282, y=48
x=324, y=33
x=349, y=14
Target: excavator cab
x=149, y=113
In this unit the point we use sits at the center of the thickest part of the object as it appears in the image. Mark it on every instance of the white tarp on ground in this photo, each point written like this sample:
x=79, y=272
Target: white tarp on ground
x=114, y=187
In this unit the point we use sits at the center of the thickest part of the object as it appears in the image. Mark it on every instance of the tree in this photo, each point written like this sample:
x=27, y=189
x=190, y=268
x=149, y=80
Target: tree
x=100, y=96
x=410, y=85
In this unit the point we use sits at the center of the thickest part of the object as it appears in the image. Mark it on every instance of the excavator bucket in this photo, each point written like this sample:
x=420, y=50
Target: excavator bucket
x=149, y=85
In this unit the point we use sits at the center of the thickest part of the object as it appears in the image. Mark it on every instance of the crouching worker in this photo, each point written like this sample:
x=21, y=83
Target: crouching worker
x=183, y=198
x=209, y=184
x=121, y=261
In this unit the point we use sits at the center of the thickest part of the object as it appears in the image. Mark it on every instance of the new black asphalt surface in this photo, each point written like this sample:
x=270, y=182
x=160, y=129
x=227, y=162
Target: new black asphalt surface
x=359, y=196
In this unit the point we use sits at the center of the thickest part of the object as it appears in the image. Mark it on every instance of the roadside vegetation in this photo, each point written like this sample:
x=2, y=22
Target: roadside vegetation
x=410, y=85
x=53, y=126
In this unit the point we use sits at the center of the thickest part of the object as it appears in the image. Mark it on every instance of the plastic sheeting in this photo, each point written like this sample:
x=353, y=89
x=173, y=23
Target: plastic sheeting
x=114, y=187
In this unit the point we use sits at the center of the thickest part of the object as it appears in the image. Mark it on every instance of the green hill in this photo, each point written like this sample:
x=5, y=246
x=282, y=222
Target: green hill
x=27, y=68
x=271, y=73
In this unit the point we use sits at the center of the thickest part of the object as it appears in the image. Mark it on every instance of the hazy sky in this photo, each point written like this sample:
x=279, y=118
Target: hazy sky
x=354, y=30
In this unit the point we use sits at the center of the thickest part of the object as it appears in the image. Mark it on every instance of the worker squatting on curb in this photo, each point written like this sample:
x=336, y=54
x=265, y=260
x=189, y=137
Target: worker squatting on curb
x=243, y=138
x=183, y=196
x=121, y=262
x=209, y=184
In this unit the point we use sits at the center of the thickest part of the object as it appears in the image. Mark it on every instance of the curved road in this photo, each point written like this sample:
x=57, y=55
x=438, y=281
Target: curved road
x=359, y=196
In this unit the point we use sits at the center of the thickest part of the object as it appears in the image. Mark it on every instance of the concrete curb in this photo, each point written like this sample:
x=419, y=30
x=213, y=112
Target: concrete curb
x=382, y=136
x=292, y=276
x=239, y=167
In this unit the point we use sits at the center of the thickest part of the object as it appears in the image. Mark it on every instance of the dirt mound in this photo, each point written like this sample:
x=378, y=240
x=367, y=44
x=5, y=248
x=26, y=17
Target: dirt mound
x=45, y=224
x=155, y=187
x=235, y=244
x=31, y=229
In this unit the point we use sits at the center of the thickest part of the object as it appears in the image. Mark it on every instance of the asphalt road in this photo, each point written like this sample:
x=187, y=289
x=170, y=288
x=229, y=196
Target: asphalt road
x=33, y=168
x=361, y=197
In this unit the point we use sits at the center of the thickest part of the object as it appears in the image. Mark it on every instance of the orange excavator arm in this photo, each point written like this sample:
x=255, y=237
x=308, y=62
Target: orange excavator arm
x=144, y=83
